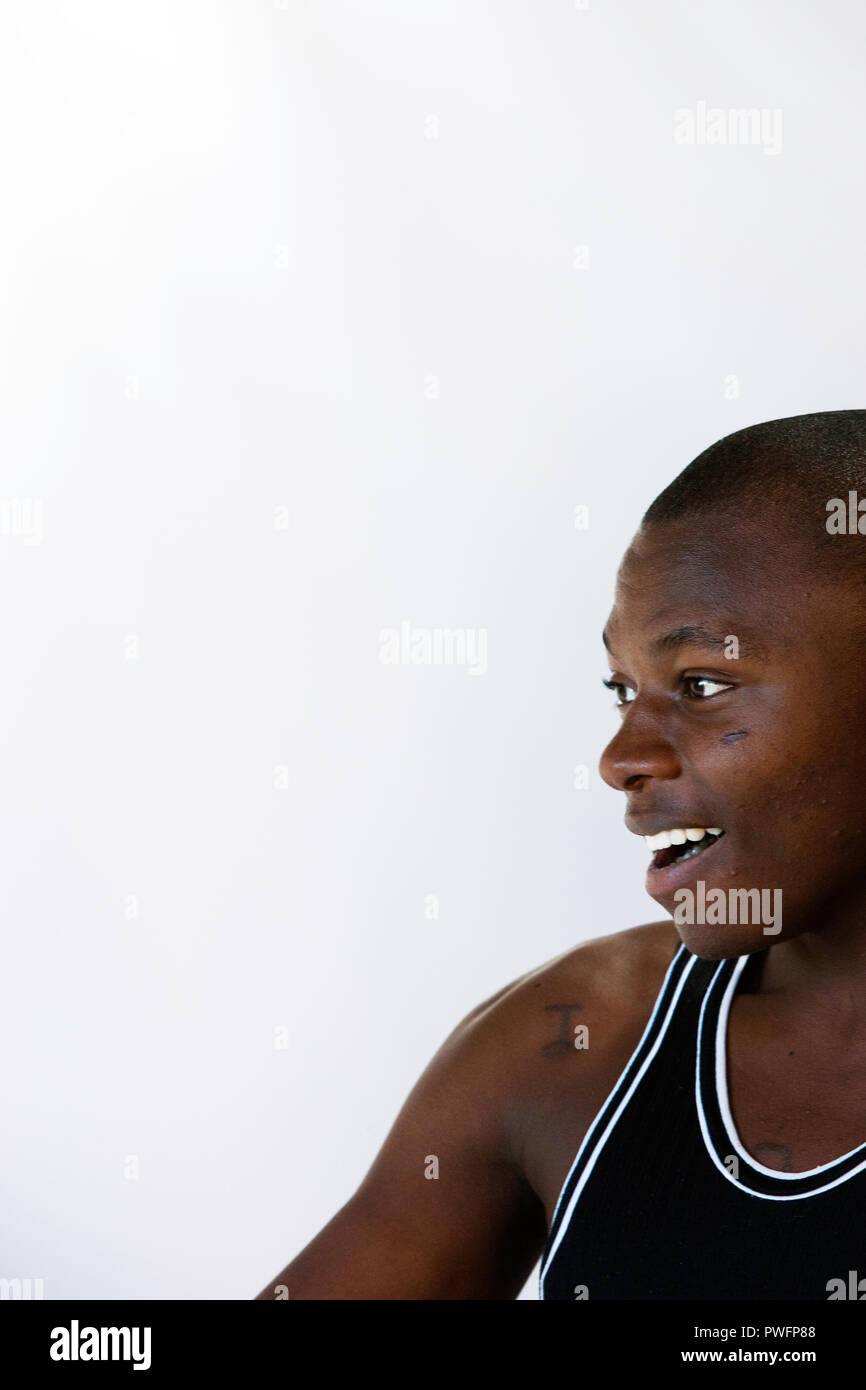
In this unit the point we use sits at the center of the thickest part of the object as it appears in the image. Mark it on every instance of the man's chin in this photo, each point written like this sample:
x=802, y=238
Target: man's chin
x=720, y=943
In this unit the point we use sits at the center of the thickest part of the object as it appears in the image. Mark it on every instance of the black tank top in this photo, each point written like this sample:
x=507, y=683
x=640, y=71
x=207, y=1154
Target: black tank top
x=663, y=1201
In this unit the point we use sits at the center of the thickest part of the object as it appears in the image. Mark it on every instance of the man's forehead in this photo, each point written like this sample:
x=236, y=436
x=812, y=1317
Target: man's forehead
x=684, y=584
x=719, y=552
x=678, y=576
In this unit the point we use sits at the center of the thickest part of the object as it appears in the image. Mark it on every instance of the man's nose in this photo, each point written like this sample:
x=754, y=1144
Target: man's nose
x=640, y=748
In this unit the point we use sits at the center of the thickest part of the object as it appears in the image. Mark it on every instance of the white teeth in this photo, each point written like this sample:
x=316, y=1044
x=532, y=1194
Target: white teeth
x=660, y=841
x=665, y=838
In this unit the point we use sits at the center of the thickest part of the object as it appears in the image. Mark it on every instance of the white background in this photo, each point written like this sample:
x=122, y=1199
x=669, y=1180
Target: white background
x=324, y=257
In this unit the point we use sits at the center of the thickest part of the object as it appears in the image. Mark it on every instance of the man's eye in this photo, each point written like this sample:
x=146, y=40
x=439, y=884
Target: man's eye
x=710, y=687
x=624, y=693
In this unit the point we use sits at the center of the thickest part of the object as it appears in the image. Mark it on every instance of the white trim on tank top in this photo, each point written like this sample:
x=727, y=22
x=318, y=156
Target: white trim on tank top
x=721, y=1088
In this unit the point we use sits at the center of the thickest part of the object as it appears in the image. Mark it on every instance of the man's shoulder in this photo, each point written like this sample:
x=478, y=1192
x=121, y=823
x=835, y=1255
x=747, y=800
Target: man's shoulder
x=619, y=960
x=615, y=969
x=612, y=980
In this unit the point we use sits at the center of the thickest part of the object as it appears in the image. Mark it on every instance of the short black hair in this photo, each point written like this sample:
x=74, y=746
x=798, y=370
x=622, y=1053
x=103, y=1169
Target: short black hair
x=804, y=458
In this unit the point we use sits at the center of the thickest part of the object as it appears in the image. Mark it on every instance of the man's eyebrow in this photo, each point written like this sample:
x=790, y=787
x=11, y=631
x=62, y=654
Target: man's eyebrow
x=696, y=635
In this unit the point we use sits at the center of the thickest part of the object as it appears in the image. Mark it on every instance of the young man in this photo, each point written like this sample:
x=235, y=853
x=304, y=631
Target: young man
x=705, y=1137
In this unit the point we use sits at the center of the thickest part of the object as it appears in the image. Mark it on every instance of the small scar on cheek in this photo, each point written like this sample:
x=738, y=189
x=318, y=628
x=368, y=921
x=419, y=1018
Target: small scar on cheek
x=731, y=738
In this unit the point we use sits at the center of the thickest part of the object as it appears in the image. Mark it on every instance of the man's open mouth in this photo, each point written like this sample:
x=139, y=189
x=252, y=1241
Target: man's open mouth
x=669, y=846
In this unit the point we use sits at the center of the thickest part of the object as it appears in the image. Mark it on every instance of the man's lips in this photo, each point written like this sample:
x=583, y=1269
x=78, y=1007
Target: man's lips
x=666, y=873
x=675, y=840
x=653, y=823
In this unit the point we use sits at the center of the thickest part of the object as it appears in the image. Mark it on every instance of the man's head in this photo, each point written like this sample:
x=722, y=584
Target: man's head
x=738, y=637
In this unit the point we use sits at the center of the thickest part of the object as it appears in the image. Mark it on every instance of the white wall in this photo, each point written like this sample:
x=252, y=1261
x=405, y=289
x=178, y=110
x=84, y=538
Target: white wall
x=240, y=240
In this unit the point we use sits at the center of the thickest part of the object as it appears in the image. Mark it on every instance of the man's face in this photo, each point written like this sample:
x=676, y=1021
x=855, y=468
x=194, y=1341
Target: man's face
x=763, y=737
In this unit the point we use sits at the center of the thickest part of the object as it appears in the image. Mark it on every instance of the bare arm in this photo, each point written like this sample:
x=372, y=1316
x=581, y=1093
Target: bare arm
x=444, y=1212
